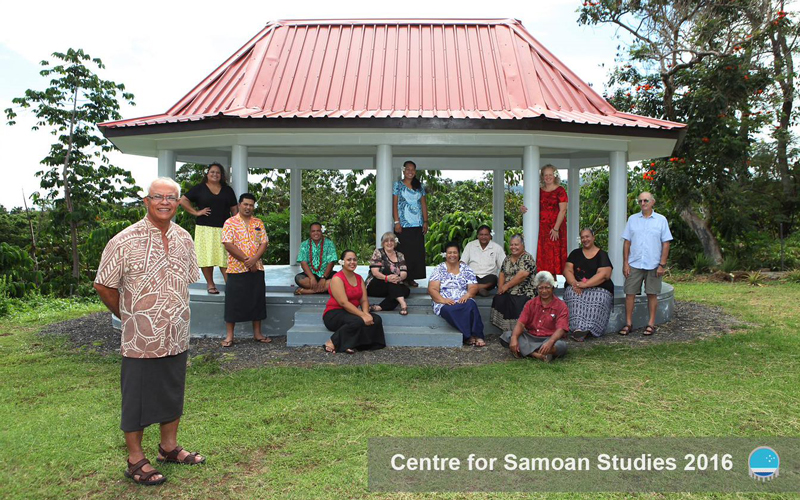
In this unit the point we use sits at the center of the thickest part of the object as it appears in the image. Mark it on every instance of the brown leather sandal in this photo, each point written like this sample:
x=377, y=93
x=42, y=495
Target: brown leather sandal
x=172, y=457
x=143, y=478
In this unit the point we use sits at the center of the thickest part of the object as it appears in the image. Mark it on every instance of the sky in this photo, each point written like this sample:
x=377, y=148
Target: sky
x=161, y=49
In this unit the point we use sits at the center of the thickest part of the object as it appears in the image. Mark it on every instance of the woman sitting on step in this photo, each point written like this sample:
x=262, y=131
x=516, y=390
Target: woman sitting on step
x=515, y=285
x=452, y=287
x=387, y=271
x=347, y=314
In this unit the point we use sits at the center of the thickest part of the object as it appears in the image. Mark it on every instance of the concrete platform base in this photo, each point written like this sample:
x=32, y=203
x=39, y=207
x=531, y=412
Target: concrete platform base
x=300, y=317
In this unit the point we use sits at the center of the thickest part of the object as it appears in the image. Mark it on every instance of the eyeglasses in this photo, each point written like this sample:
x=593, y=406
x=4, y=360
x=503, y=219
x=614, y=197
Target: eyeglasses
x=643, y=201
x=160, y=197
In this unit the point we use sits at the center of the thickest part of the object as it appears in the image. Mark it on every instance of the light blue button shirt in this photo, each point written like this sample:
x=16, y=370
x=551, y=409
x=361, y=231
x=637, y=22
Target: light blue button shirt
x=646, y=235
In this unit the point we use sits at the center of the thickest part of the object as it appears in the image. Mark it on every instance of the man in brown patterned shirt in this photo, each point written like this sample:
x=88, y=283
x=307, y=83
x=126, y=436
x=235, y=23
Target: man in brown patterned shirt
x=143, y=278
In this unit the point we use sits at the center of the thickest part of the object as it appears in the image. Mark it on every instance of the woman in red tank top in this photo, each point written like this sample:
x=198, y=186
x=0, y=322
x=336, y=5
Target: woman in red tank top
x=347, y=312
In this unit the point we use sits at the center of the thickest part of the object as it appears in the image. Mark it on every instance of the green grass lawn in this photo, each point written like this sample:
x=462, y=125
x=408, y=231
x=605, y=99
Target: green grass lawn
x=302, y=432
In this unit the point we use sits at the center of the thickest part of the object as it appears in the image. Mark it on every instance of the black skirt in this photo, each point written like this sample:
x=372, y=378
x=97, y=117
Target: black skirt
x=506, y=309
x=350, y=332
x=245, y=297
x=412, y=246
x=152, y=390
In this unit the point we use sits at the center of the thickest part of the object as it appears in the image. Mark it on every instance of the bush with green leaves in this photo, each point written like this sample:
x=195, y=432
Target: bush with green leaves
x=701, y=264
x=461, y=227
x=17, y=272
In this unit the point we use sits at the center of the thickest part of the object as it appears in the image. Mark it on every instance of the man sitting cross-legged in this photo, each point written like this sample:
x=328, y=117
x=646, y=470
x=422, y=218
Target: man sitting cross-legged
x=316, y=257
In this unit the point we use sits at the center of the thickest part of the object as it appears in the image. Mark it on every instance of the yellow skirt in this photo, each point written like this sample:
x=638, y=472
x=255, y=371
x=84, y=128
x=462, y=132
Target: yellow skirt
x=208, y=245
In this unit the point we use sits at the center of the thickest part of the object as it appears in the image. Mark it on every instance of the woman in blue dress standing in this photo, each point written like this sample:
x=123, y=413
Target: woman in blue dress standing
x=410, y=210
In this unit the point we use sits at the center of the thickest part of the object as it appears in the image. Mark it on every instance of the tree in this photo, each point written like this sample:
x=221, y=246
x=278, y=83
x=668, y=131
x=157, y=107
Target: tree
x=703, y=62
x=76, y=100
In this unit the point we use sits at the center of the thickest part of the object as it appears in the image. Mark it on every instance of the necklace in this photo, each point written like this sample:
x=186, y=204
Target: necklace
x=310, y=259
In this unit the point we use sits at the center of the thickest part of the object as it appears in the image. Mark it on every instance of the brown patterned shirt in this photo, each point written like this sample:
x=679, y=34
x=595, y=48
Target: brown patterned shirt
x=153, y=287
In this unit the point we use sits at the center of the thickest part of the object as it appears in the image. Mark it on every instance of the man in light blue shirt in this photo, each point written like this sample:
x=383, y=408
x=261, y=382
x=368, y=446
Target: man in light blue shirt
x=644, y=257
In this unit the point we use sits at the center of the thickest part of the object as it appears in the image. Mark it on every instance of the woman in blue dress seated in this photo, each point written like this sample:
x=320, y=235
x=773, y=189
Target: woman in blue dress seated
x=452, y=286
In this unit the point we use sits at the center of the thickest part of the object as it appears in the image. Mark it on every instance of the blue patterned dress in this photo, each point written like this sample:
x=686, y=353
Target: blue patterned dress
x=465, y=317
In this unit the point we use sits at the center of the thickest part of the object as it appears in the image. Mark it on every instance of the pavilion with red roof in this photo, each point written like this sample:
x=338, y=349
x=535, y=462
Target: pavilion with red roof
x=449, y=94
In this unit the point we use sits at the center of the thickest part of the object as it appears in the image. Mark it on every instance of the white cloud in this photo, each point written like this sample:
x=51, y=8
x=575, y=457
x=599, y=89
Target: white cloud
x=161, y=49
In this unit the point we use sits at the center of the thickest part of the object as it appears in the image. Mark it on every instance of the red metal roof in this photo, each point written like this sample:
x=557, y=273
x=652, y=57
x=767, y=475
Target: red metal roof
x=395, y=68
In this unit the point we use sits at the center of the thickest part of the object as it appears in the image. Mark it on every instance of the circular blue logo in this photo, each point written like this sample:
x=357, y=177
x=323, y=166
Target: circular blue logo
x=764, y=463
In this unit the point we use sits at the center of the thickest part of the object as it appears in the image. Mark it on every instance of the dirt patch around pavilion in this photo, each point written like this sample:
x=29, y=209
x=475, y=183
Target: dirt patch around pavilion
x=94, y=333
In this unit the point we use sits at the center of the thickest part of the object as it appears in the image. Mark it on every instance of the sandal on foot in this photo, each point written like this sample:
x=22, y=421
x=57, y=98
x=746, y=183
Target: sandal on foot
x=262, y=340
x=134, y=470
x=578, y=335
x=172, y=457
x=479, y=343
x=212, y=290
x=329, y=349
x=403, y=311
x=350, y=351
x=226, y=343
x=625, y=330
x=649, y=330
x=413, y=284
x=375, y=308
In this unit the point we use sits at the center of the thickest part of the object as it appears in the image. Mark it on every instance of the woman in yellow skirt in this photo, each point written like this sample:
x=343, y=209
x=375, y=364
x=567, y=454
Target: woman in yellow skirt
x=212, y=202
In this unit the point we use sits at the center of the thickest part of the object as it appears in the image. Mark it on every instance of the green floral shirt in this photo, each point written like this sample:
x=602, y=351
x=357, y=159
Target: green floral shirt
x=328, y=255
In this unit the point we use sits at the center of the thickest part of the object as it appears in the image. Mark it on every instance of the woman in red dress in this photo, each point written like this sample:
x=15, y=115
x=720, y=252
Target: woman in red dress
x=551, y=254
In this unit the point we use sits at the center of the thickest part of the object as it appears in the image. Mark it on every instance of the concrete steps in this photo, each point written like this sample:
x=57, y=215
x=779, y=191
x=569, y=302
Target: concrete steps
x=421, y=328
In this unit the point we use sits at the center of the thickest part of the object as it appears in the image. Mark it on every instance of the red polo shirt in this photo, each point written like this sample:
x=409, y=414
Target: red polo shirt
x=543, y=321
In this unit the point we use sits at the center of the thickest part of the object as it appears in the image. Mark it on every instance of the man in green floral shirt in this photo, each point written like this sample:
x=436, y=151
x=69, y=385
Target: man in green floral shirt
x=316, y=257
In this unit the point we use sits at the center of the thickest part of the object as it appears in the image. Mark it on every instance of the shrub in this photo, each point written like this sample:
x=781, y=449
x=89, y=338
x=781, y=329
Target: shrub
x=460, y=227
x=793, y=276
x=701, y=264
x=17, y=272
x=730, y=264
x=755, y=278
x=277, y=226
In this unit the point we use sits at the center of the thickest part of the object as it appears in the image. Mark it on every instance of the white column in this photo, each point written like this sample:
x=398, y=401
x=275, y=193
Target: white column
x=617, y=210
x=498, y=206
x=295, y=213
x=573, y=208
x=383, y=192
x=166, y=163
x=530, y=197
x=239, y=169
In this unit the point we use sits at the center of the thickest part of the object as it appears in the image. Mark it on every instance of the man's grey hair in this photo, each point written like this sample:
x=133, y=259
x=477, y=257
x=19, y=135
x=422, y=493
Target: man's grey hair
x=167, y=181
x=544, y=277
x=651, y=195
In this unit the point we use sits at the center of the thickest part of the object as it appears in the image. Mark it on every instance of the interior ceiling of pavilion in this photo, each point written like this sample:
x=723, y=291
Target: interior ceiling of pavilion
x=396, y=68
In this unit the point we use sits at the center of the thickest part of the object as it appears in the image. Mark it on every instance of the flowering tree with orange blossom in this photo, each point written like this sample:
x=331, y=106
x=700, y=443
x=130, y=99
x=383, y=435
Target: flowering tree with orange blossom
x=726, y=69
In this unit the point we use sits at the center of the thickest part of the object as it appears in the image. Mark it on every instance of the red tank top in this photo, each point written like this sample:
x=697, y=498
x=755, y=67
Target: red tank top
x=353, y=293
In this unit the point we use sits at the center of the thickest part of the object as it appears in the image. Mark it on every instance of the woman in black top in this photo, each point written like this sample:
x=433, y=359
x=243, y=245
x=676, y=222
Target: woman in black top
x=589, y=292
x=215, y=202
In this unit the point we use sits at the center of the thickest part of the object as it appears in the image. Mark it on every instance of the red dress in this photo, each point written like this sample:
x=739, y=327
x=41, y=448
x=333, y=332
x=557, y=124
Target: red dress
x=551, y=255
